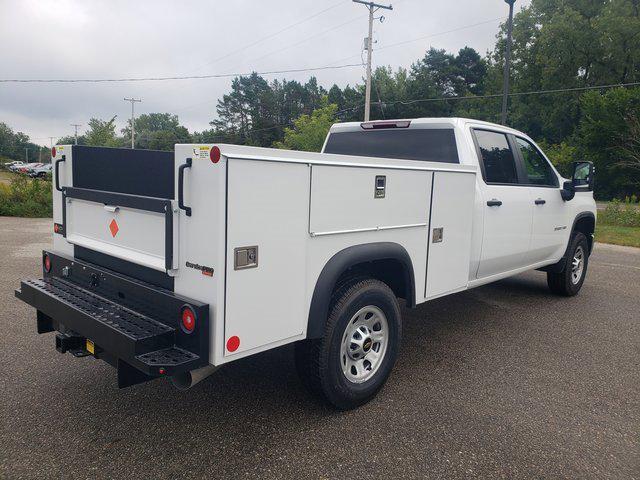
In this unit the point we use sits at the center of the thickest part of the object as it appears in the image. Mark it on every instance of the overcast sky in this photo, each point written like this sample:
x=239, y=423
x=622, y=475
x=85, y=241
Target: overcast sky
x=138, y=38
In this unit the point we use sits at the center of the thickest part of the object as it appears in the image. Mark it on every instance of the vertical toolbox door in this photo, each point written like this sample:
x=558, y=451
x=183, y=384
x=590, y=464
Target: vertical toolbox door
x=267, y=222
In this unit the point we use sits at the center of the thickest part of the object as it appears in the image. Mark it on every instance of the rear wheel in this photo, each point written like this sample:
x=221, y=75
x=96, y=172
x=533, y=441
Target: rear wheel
x=570, y=280
x=359, y=348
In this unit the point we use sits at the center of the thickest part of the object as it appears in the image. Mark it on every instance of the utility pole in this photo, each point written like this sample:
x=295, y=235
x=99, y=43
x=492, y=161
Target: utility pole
x=373, y=7
x=26, y=155
x=133, y=119
x=507, y=61
x=76, y=125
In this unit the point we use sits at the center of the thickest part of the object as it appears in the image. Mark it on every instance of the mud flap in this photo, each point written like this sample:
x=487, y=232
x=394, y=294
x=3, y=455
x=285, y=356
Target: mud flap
x=128, y=375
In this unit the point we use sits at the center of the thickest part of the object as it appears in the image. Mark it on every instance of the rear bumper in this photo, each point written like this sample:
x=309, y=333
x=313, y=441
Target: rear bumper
x=132, y=325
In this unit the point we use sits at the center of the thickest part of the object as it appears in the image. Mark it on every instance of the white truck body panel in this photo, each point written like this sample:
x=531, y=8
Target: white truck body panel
x=452, y=211
x=406, y=201
x=266, y=304
x=135, y=235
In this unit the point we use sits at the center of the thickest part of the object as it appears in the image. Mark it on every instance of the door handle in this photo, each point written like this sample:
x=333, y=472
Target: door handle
x=181, y=204
x=56, y=172
x=494, y=203
x=540, y=201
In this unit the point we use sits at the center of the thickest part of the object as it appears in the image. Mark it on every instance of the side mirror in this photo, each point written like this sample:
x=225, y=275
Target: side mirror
x=582, y=178
x=568, y=191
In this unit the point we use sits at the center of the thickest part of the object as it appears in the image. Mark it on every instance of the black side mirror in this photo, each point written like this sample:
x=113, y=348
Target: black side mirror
x=568, y=191
x=582, y=178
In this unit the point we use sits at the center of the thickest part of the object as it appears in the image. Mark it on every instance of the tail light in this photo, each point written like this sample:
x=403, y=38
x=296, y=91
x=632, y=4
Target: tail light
x=188, y=319
x=46, y=263
x=53, y=152
x=214, y=154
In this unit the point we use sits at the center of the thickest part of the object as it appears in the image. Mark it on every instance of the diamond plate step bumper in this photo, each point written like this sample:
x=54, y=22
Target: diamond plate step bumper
x=123, y=333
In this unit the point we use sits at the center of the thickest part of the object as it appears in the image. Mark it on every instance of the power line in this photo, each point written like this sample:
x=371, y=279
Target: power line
x=424, y=37
x=288, y=27
x=468, y=97
x=306, y=39
x=513, y=94
x=464, y=27
x=186, y=77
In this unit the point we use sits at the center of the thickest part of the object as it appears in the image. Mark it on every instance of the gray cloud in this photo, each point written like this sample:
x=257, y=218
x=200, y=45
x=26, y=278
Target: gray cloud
x=119, y=38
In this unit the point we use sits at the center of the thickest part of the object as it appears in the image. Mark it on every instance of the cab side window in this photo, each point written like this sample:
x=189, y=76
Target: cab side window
x=499, y=165
x=537, y=169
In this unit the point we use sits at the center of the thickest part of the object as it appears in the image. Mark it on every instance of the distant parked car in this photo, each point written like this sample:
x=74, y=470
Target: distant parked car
x=13, y=165
x=27, y=167
x=41, y=171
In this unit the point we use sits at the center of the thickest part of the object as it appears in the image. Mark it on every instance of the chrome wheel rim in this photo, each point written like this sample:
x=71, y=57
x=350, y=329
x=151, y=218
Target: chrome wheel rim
x=577, y=265
x=364, y=344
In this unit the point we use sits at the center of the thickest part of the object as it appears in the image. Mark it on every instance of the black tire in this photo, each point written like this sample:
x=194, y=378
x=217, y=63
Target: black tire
x=565, y=283
x=318, y=361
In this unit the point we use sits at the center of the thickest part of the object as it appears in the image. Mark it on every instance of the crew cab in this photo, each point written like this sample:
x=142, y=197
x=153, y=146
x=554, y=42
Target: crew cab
x=172, y=264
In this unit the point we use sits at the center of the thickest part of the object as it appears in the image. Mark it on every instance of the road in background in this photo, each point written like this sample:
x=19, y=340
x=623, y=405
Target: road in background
x=502, y=381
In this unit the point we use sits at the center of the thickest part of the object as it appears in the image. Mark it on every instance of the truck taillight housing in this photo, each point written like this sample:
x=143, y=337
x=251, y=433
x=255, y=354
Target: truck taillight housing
x=46, y=263
x=214, y=154
x=379, y=125
x=188, y=319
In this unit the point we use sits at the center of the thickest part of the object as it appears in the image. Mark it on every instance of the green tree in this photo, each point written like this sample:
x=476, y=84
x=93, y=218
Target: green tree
x=102, y=133
x=17, y=146
x=157, y=131
x=606, y=136
x=309, y=131
x=564, y=44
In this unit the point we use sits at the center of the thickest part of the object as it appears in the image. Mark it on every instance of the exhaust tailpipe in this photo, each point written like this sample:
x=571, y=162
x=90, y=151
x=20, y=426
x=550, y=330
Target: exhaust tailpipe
x=185, y=381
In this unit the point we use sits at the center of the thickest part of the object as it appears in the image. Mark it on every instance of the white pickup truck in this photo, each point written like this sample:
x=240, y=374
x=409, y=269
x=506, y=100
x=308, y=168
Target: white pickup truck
x=171, y=264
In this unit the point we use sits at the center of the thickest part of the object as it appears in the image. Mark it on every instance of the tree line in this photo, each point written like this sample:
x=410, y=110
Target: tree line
x=574, y=44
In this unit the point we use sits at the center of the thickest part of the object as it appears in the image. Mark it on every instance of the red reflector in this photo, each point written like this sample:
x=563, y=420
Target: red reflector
x=188, y=320
x=233, y=343
x=113, y=228
x=56, y=228
x=46, y=261
x=53, y=152
x=214, y=154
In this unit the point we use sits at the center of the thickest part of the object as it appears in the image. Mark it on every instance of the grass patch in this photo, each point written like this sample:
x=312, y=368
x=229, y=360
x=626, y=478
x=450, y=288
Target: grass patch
x=620, y=214
x=24, y=197
x=6, y=177
x=618, y=235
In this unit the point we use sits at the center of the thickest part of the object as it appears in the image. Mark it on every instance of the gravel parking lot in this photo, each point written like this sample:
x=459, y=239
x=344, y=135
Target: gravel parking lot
x=502, y=381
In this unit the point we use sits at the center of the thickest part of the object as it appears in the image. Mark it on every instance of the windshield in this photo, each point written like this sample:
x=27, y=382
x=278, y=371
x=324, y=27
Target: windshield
x=426, y=144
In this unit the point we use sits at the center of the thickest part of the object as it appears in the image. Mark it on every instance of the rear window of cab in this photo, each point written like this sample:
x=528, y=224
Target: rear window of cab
x=426, y=144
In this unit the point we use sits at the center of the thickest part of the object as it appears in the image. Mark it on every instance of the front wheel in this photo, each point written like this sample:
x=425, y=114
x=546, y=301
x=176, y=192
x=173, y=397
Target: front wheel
x=570, y=280
x=359, y=348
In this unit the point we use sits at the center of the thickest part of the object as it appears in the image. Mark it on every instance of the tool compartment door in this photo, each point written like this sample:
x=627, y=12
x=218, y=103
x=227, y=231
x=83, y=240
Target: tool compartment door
x=449, y=239
x=347, y=199
x=129, y=227
x=267, y=210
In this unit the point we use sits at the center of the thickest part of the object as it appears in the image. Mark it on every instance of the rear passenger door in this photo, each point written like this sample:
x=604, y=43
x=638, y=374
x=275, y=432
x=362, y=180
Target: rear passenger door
x=508, y=209
x=550, y=231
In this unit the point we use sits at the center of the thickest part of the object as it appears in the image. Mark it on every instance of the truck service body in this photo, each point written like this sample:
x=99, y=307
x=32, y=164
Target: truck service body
x=173, y=264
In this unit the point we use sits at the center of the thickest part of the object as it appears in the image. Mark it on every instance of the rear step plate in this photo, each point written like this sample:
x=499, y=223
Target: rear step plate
x=117, y=329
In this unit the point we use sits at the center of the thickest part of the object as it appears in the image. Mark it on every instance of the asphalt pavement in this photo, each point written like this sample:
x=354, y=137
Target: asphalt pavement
x=504, y=381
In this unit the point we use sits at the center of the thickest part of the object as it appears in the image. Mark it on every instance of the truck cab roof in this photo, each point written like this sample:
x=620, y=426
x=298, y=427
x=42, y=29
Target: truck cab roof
x=435, y=122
